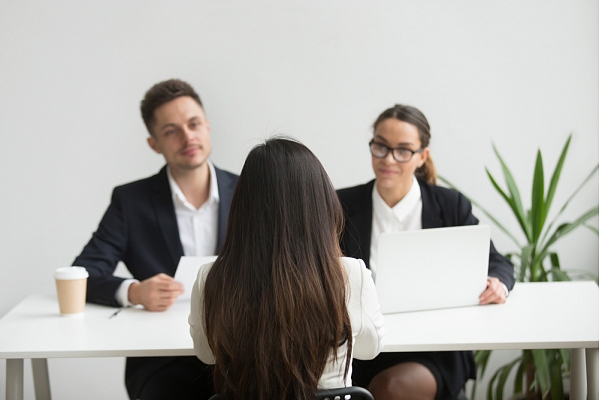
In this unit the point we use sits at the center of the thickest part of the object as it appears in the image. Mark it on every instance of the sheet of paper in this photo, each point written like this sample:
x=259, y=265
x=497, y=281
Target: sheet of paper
x=187, y=271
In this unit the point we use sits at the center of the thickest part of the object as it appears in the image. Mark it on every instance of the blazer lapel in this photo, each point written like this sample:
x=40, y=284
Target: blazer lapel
x=430, y=216
x=165, y=215
x=226, y=188
x=360, y=220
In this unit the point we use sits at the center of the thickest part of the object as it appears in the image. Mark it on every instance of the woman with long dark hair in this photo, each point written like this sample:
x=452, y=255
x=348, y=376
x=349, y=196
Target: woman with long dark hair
x=280, y=313
x=404, y=196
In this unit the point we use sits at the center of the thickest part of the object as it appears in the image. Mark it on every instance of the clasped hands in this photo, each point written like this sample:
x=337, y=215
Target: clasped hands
x=157, y=293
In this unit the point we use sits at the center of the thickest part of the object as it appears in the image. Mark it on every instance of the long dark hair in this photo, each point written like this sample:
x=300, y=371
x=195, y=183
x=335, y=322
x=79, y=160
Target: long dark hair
x=415, y=117
x=275, y=298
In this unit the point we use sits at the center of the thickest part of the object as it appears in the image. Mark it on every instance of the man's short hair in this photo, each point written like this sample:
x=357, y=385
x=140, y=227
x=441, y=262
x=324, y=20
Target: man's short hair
x=161, y=93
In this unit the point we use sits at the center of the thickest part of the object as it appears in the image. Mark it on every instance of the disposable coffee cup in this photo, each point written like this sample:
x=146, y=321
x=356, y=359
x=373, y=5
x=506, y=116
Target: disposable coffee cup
x=71, y=285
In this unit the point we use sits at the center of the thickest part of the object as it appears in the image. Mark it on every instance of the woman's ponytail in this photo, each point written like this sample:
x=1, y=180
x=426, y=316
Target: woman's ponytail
x=427, y=172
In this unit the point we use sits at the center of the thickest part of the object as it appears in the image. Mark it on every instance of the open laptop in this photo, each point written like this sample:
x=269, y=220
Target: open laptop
x=432, y=268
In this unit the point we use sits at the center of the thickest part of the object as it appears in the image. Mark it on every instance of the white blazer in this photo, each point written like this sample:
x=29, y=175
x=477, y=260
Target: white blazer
x=363, y=308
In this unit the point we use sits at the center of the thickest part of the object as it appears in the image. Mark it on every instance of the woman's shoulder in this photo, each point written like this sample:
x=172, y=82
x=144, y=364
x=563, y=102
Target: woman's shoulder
x=355, y=269
x=352, y=263
x=356, y=194
x=354, y=189
x=203, y=273
x=442, y=193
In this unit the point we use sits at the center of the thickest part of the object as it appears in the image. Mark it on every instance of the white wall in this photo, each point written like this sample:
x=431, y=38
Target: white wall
x=521, y=74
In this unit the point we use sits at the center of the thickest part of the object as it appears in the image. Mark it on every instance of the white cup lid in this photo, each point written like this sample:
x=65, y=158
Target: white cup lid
x=70, y=273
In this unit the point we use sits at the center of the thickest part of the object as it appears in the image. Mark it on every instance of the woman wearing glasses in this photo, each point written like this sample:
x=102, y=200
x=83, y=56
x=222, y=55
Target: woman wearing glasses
x=280, y=313
x=404, y=196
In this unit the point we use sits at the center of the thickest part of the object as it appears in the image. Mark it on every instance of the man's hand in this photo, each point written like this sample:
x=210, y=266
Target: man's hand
x=155, y=294
x=494, y=293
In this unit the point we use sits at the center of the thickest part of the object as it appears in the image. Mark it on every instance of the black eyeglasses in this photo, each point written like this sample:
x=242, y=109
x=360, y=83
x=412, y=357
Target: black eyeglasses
x=401, y=154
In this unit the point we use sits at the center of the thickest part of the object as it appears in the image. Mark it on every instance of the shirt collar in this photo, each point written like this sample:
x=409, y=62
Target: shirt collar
x=178, y=195
x=404, y=207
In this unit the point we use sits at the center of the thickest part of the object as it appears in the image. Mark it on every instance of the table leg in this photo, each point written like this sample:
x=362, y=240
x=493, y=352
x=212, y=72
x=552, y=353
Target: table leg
x=591, y=361
x=578, y=386
x=41, y=379
x=14, y=379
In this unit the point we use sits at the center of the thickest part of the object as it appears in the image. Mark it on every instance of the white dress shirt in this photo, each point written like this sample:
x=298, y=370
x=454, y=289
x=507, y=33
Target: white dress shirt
x=198, y=227
x=404, y=216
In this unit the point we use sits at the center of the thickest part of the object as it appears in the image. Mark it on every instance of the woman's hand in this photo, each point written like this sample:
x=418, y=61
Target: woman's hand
x=495, y=293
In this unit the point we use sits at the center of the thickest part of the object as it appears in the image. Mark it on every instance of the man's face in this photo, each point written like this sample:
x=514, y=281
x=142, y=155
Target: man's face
x=181, y=133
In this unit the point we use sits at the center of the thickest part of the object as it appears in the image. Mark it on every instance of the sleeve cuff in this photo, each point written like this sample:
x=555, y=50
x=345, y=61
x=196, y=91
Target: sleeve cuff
x=122, y=293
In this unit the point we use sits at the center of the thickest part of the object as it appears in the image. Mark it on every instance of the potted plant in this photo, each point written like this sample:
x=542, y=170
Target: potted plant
x=535, y=261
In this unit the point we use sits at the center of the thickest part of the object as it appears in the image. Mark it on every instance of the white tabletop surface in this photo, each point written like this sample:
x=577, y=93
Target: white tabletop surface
x=537, y=315
x=35, y=329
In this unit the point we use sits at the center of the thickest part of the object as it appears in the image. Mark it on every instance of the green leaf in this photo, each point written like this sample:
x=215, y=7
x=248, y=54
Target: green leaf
x=592, y=228
x=581, y=185
x=503, y=377
x=515, y=197
x=565, y=355
x=511, y=203
x=540, y=272
x=473, y=389
x=566, y=228
x=580, y=274
x=556, y=177
x=487, y=213
x=559, y=275
x=541, y=370
x=499, y=189
x=481, y=359
x=537, y=199
x=554, y=260
x=537, y=273
x=526, y=256
x=519, y=377
x=490, y=391
x=556, y=384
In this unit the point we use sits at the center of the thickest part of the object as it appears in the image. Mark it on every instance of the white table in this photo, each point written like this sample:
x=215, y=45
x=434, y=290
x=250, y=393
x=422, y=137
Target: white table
x=34, y=329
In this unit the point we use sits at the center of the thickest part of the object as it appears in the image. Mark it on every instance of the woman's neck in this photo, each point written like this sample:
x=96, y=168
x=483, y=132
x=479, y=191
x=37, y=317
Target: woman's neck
x=394, y=195
x=195, y=184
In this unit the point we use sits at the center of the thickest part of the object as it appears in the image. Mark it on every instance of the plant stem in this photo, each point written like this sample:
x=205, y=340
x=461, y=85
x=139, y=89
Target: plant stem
x=532, y=393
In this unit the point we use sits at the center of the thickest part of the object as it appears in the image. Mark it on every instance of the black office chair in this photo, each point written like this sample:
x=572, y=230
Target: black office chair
x=353, y=392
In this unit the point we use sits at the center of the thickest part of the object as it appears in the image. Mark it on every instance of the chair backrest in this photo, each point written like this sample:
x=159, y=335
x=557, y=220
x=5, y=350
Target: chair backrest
x=345, y=393
x=352, y=392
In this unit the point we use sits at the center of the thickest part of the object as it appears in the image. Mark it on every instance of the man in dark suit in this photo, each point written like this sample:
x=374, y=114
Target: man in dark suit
x=151, y=223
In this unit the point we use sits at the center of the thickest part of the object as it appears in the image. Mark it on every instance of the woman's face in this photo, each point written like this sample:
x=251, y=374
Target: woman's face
x=390, y=173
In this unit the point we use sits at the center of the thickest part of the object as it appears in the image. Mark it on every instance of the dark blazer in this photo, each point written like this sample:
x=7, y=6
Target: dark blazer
x=140, y=229
x=442, y=207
